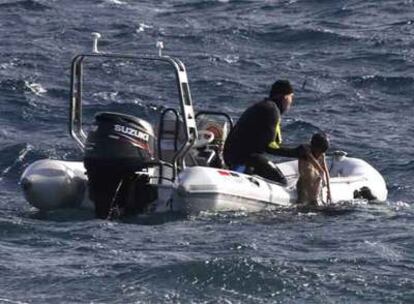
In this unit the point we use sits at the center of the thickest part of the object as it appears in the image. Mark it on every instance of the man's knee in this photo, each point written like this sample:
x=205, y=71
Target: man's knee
x=263, y=167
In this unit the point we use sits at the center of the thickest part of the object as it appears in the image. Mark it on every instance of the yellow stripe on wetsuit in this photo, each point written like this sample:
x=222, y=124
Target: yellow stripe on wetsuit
x=275, y=144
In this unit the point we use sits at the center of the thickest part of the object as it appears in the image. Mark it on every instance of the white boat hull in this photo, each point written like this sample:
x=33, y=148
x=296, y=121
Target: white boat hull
x=208, y=189
x=54, y=184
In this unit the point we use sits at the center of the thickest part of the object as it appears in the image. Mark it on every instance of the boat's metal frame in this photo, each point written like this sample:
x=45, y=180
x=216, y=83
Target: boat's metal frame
x=186, y=106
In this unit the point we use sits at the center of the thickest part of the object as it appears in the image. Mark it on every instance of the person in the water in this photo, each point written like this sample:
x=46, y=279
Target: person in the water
x=257, y=132
x=312, y=172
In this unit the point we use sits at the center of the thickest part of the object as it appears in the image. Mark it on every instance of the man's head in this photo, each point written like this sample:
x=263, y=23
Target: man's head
x=282, y=94
x=319, y=143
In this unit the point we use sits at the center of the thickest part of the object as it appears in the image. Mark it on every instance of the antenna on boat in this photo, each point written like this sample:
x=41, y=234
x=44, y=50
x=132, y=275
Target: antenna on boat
x=96, y=37
x=160, y=47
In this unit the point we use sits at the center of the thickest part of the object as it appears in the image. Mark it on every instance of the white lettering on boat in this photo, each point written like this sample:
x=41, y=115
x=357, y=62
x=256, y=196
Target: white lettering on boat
x=132, y=132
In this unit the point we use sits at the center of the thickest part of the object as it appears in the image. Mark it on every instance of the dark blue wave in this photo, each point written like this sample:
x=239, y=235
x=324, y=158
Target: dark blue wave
x=186, y=7
x=14, y=158
x=29, y=5
x=391, y=84
x=300, y=126
x=301, y=36
x=13, y=85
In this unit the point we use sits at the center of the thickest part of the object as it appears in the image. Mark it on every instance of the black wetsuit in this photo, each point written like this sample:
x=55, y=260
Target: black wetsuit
x=252, y=136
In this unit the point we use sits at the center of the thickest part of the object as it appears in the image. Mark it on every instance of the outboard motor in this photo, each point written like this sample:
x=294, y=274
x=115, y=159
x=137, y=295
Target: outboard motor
x=118, y=154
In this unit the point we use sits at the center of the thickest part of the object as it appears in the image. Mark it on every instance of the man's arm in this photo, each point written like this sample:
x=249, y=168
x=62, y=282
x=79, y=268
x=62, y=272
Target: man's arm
x=316, y=164
x=327, y=178
x=297, y=152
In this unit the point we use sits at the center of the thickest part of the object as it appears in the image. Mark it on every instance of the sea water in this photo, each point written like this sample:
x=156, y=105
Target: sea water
x=352, y=66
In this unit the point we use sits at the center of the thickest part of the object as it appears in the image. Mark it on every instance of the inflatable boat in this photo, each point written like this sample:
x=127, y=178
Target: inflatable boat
x=130, y=166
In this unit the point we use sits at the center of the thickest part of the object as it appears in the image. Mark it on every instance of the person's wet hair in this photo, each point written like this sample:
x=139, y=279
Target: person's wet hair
x=319, y=142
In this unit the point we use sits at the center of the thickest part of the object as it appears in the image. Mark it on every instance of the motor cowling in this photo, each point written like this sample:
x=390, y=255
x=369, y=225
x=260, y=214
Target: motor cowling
x=117, y=148
x=121, y=137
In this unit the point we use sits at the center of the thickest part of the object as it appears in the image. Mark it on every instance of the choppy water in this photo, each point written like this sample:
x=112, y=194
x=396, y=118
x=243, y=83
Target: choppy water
x=352, y=64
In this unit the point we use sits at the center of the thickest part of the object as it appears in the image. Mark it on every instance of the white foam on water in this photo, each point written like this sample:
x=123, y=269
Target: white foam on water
x=36, y=88
x=142, y=27
x=117, y=2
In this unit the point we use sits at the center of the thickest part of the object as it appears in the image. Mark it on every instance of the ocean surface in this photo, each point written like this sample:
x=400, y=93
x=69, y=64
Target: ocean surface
x=352, y=66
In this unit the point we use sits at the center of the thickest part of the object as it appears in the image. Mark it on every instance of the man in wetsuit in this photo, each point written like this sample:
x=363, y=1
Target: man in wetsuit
x=258, y=132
